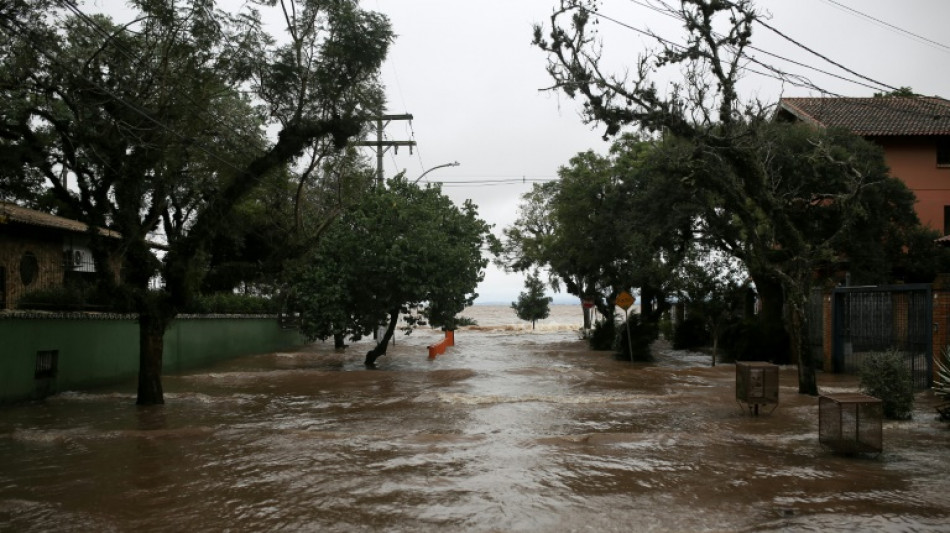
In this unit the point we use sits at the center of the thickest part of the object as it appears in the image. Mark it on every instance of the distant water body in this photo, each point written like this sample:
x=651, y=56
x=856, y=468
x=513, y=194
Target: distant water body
x=498, y=316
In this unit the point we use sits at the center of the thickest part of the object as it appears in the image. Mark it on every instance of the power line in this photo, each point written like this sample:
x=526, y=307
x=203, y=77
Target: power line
x=802, y=81
x=778, y=74
x=822, y=56
x=782, y=76
x=908, y=33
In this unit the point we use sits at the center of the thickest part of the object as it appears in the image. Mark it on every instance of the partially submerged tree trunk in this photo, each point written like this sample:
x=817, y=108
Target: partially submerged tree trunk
x=152, y=328
x=383, y=343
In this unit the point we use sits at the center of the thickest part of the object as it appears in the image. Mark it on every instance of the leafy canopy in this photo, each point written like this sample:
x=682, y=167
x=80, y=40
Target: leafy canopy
x=395, y=249
x=533, y=305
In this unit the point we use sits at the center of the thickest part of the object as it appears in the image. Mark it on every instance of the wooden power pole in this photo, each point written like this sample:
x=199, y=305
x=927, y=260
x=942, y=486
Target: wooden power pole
x=381, y=122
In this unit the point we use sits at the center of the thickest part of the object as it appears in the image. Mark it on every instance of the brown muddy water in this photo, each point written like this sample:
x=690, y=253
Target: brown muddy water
x=510, y=430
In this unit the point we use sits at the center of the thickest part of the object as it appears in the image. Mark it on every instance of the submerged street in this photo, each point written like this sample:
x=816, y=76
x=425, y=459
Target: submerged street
x=510, y=430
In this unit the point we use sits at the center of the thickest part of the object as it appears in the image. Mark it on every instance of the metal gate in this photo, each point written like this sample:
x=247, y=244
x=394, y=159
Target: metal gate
x=878, y=319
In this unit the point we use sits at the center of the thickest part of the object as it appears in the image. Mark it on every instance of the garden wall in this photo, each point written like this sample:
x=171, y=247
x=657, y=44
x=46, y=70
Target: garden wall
x=45, y=353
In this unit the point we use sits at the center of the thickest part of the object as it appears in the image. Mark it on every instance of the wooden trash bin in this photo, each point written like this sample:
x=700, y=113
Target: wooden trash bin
x=756, y=384
x=850, y=423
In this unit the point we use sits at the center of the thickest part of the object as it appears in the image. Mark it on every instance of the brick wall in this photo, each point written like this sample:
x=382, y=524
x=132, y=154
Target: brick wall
x=49, y=261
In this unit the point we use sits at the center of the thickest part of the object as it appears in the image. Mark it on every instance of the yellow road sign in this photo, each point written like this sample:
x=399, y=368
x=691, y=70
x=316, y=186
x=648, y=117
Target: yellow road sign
x=624, y=300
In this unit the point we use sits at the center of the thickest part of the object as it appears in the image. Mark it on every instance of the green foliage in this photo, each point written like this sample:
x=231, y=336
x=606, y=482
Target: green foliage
x=634, y=345
x=461, y=322
x=942, y=367
x=886, y=376
x=941, y=384
x=228, y=303
x=787, y=200
x=899, y=92
x=690, y=333
x=64, y=299
x=395, y=249
x=752, y=339
x=665, y=326
x=585, y=228
x=603, y=335
x=152, y=122
x=533, y=305
x=88, y=298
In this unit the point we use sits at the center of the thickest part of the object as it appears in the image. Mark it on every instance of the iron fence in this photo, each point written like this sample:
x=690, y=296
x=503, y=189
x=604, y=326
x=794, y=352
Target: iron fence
x=887, y=318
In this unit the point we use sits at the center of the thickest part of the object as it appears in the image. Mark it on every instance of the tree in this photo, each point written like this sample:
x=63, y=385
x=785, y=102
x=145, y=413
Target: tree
x=558, y=222
x=711, y=288
x=584, y=229
x=148, y=128
x=783, y=199
x=274, y=226
x=599, y=229
x=397, y=248
x=533, y=305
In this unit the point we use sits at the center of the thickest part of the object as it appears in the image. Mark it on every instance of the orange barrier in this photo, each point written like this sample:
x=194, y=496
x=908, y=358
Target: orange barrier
x=439, y=347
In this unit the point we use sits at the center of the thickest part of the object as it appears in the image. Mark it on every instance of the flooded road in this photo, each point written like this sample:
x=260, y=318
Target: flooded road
x=510, y=430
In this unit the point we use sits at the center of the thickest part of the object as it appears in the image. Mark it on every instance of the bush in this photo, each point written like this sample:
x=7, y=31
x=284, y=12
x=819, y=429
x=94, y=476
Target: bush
x=603, y=335
x=666, y=327
x=885, y=375
x=642, y=335
x=942, y=382
x=226, y=303
x=70, y=298
x=690, y=333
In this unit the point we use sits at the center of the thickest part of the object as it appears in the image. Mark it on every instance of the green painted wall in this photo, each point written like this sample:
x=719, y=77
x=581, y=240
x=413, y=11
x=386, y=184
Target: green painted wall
x=97, y=351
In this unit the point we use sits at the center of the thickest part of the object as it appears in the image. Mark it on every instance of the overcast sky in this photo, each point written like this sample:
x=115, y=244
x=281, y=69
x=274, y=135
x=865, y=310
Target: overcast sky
x=468, y=74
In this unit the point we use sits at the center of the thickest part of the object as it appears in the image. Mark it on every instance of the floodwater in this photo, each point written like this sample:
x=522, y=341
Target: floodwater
x=510, y=430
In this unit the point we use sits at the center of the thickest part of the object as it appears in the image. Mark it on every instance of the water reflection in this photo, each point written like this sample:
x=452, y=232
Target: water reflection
x=508, y=431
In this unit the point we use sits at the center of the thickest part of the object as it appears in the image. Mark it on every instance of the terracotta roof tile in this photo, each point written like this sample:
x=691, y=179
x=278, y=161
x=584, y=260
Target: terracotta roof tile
x=873, y=117
x=14, y=213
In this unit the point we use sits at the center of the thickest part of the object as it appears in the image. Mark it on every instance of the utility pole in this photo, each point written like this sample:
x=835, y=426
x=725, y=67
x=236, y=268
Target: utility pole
x=381, y=122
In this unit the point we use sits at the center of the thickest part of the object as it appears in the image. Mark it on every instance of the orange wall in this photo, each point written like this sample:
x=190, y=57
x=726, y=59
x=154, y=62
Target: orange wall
x=914, y=161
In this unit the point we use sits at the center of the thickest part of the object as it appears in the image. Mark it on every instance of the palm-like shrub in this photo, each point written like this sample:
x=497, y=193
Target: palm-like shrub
x=942, y=382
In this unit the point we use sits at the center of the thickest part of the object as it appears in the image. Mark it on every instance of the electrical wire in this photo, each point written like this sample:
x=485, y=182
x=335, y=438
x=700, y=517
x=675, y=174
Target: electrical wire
x=779, y=74
x=801, y=81
x=822, y=56
x=886, y=24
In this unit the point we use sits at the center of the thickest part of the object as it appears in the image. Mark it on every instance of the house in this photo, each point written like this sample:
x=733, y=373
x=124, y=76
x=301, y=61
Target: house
x=913, y=131
x=41, y=251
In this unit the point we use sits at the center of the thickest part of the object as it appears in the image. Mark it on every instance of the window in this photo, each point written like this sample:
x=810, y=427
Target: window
x=943, y=151
x=946, y=220
x=29, y=268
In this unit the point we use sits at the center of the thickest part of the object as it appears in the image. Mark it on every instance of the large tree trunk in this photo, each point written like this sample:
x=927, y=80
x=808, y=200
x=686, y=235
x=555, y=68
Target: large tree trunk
x=151, y=345
x=772, y=319
x=383, y=343
x=771, y=298
x=798, y=339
